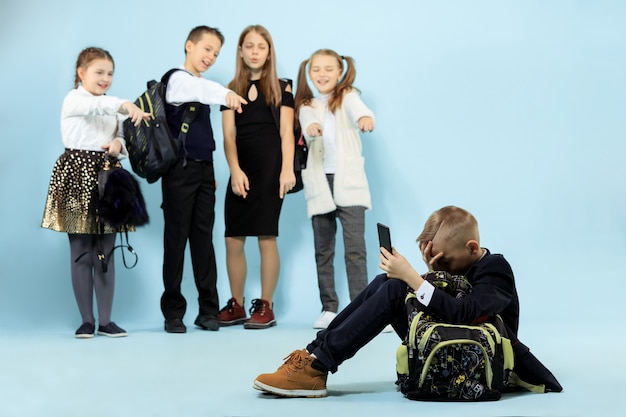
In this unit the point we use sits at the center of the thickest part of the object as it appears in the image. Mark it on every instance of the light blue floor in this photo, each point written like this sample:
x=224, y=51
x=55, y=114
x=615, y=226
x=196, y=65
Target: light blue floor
x=151, y=373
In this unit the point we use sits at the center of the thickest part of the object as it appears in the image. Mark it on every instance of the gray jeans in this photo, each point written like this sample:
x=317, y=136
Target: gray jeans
x=352, y=220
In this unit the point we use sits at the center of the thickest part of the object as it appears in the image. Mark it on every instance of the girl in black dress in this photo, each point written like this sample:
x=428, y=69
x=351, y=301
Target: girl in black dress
x=259, y=147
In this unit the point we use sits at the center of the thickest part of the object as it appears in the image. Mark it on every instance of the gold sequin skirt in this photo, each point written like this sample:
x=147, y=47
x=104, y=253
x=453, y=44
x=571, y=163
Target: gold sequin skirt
x=73, y=193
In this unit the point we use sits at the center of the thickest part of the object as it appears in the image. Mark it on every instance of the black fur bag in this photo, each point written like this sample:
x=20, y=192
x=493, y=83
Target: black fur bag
x=120, y=202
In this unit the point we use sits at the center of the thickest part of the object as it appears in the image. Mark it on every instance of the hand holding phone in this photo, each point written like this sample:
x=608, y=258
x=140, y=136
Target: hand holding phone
x=384, y=237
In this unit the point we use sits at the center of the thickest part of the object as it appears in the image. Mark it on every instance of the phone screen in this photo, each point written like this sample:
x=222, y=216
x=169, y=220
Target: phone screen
x=384, y=237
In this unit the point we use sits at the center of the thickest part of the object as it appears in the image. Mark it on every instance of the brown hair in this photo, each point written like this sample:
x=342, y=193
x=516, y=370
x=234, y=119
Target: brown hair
x=304, y=95
x=86, y=56
x=198, y=32
x=268, y=83
x=454, y=224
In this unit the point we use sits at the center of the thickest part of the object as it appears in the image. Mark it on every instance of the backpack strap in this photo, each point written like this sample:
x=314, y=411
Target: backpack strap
x=102, y=257
x=128, y=248
x=191, y=110
x=298, y=135
x=284, y=82
x=189, y=114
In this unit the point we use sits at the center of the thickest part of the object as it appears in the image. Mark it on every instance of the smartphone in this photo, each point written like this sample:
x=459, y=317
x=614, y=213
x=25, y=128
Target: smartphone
x=384, y=237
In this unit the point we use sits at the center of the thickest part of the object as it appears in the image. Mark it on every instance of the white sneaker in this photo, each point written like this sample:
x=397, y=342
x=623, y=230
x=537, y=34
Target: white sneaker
x=324, y=320
x=388, y=329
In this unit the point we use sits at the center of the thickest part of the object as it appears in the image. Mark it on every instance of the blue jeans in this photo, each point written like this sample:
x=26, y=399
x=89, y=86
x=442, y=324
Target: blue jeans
x=379, y=304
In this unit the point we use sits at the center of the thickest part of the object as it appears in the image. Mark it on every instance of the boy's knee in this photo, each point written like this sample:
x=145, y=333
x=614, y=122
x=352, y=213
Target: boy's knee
x=379, y=280
x=395, y=287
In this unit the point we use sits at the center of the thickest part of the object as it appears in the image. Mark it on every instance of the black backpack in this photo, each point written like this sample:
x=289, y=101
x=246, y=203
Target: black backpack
x=440, y=361
x=152, y=150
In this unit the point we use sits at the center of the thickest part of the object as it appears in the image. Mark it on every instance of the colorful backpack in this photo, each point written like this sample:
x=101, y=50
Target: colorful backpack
x=440, y=361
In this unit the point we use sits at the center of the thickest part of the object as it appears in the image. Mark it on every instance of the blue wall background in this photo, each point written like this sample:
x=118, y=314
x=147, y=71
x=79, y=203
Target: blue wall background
x=511, y=109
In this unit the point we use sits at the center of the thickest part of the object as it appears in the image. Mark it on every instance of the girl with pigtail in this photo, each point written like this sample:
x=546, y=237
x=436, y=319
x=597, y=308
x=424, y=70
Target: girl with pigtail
x=91, y=125
x=335, y=184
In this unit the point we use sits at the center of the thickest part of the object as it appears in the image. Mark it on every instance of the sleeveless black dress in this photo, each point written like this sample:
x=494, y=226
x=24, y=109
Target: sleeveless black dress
x=260, y=158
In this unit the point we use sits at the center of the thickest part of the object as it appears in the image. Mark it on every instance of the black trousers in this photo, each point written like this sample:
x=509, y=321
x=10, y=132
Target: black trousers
x=379, y=304
x=189, y=214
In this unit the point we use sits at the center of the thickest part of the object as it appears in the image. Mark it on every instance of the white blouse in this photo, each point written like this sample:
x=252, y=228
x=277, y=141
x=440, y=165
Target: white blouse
x=88, y=122
x=328, y=136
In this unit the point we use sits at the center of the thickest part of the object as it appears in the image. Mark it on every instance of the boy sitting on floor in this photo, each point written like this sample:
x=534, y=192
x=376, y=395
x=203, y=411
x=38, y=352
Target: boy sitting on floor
x=449, y=242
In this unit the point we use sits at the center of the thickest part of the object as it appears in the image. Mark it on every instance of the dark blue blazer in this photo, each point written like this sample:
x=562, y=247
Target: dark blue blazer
x=493, y=293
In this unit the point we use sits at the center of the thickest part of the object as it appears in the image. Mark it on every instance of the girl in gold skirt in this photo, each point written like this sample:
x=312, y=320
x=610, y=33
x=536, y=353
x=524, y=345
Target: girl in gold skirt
x=90, y=126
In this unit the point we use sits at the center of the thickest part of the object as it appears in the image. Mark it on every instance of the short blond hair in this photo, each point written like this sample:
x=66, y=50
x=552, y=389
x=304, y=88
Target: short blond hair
x=452, y=224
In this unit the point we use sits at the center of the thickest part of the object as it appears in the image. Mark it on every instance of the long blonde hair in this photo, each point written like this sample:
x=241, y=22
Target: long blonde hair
x=304, y=95
x=268, y=83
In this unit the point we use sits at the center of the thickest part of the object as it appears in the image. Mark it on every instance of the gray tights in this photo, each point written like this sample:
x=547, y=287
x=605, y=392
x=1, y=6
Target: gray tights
x=87, y=275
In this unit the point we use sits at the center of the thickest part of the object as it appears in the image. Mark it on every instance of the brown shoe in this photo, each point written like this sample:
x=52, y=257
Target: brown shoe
x=232, y=314
x=294, y=378
x=261, y=315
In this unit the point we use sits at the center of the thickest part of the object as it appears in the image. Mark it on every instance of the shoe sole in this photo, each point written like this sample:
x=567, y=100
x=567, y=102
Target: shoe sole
x=314, y=393
x=212, y=329
x=84, y=336
x=113, y=334
x=180, y=330
x=175, y=329
x=232, y=322
x=259, y=326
